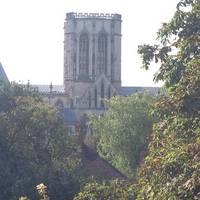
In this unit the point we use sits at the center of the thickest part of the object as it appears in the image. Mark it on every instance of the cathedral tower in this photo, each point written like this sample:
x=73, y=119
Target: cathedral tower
x=92, y=58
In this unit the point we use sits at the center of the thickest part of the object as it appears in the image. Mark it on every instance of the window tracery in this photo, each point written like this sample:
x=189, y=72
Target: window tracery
x=109, y=92
x=102, y=94
x=89, y=99
x=84, y=55
x=102, y=53
x=95, y=97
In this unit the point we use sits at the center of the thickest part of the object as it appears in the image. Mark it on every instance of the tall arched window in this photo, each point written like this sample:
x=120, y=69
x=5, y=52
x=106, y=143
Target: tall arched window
x=89, y=99
x=84, y=55
x=102, y=94
x=93, y=65
x=95, y=97
x=109, y=92
x=102, y=52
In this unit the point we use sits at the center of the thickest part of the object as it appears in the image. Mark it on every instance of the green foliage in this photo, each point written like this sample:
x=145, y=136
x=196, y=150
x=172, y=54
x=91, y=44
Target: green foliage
x=179, y=43
x=172, y=168
x=34, y=146
x=9, y=91
x=114, y=190
x=122, y=132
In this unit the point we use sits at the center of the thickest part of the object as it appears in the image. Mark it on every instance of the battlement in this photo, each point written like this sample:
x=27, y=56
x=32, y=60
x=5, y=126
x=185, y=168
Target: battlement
x=73, y=15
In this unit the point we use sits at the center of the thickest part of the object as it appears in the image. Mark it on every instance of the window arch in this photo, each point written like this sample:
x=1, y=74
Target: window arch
x=102, y=52
x=84, y=55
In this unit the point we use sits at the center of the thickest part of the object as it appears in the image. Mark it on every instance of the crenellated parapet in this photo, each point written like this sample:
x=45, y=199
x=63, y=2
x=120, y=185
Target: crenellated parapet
x=74, y=15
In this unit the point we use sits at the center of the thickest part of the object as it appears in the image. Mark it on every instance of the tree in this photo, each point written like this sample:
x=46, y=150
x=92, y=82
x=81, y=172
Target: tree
x=34, y=146
x=172, y=168
x=113, y=190
x=9, y=91
x=122, y=132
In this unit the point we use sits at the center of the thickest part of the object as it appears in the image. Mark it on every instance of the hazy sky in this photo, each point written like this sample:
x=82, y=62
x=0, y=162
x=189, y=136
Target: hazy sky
x=31, y=35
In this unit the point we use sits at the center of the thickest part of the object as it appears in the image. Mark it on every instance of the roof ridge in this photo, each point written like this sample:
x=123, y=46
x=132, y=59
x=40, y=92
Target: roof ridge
x=3, y=76
x=83, y=145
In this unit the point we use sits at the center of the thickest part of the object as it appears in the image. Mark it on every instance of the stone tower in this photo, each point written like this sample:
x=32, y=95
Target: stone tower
x=92, y=59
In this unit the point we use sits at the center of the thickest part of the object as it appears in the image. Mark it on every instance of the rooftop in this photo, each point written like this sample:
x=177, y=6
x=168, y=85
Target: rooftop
x=45, y=89
x=3, y=76
x=127, y=91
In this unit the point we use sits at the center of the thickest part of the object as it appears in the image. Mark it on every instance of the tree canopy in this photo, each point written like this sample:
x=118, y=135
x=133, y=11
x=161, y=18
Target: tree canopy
x=113, y=190
x=172, y=168
x=122, y=132
x=34, y=146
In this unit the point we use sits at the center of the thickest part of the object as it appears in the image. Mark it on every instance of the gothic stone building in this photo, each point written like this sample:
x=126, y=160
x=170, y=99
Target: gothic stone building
x=92, y=59
x=92, y=67
x=92, y=72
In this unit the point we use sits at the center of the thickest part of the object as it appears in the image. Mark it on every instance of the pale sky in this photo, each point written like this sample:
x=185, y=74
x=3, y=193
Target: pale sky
x=31, y=36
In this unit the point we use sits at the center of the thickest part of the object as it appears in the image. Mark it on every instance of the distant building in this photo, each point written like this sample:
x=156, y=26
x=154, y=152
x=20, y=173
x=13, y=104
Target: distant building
x=92, y=66
x=96, y=166
x=92, y=59
x=92, y=72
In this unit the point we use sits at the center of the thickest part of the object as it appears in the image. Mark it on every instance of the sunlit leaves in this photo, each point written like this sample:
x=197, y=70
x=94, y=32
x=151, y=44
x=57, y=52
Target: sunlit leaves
x=114, y=190
x=122, y=132
x=172, y=168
